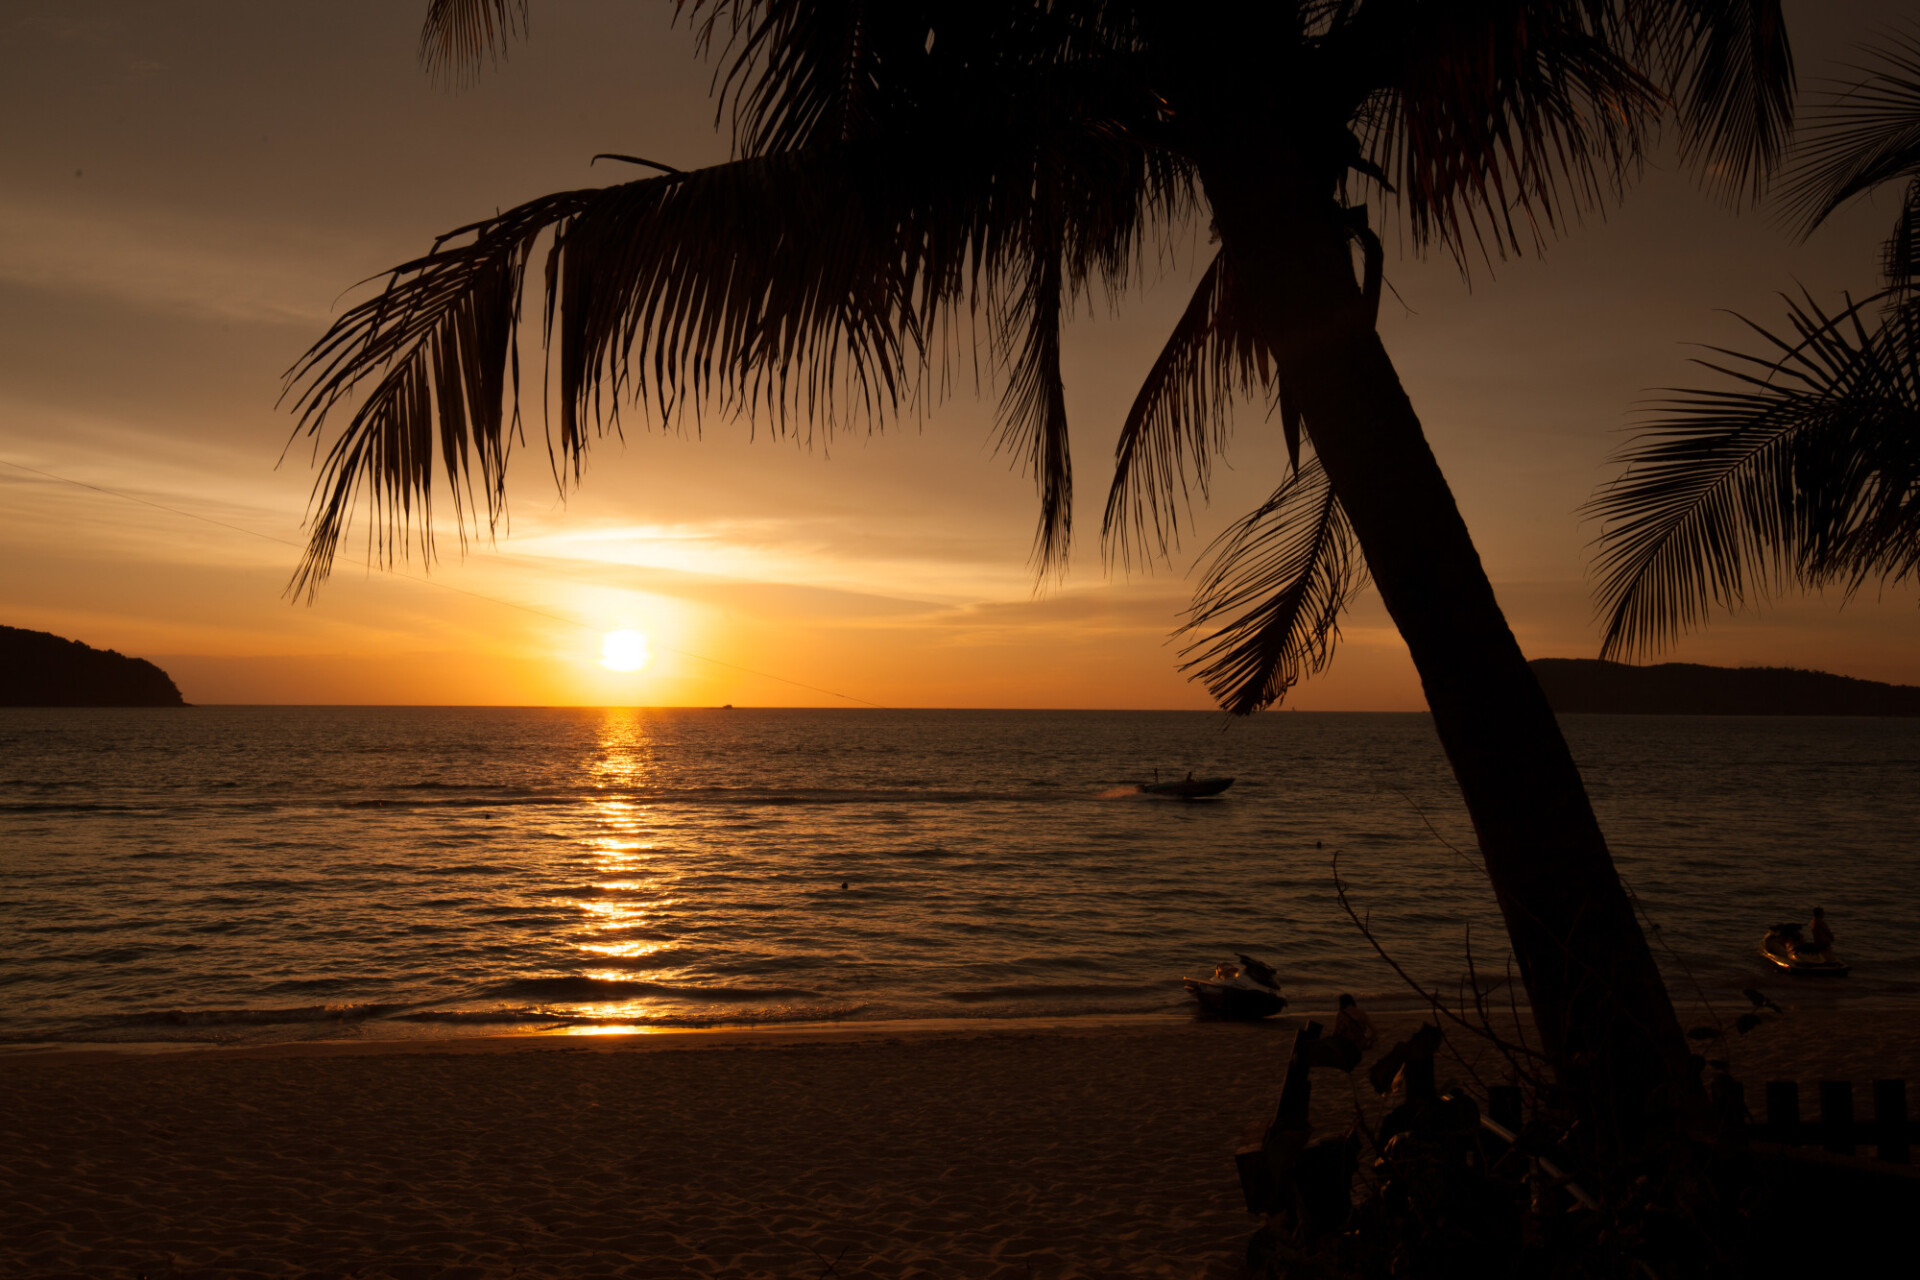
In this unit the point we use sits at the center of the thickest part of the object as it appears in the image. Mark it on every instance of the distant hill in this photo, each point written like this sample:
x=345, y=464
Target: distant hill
x=1689, y=689
x=38, y=669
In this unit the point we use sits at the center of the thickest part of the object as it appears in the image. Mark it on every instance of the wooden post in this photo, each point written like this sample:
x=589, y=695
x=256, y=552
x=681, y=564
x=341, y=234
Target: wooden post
x=1266, y=1169
x=1730, y=1109
x=1890, y=1118
x=1297, y=1092
x=1324, y=1182
x=1783, y=1112
x=1836, y=1116
x=1256, y=1178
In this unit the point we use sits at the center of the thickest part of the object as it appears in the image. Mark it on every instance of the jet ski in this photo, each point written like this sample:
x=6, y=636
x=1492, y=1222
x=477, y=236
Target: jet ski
x=1786, y=950
x=1247, y=990
x=1188, y=788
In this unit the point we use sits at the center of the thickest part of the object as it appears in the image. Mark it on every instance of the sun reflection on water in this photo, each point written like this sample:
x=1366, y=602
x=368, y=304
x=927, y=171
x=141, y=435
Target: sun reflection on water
x=622, y=950
x=622, y=862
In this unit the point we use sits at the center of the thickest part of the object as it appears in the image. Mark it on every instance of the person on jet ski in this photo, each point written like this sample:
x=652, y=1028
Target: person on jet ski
x=1819, y=935
x=1229, y=975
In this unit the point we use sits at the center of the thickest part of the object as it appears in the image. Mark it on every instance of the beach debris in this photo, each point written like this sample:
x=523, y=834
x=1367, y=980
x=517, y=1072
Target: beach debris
x=1304, y=1188
x=1416, y=1050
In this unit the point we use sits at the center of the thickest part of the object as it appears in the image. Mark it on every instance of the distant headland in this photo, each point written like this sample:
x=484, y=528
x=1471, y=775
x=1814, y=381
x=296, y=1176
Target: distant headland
x=1689, y=689
x=39, y=669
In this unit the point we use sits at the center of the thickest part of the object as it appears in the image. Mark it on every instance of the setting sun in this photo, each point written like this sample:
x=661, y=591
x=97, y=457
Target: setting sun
x=624, y=651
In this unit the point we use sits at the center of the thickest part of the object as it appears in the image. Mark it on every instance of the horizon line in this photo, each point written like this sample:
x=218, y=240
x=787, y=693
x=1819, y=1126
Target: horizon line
x=702, y=706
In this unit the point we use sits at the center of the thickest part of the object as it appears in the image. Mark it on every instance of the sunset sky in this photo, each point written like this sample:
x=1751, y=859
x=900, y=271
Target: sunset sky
x=192, y=190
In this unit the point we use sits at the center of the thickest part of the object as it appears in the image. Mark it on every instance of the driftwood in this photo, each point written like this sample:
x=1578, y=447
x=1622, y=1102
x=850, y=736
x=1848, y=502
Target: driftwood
x=1285, y=1172
x=1267, y=1166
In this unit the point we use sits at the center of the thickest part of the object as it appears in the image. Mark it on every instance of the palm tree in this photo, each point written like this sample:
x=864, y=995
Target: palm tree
x=1803, y=465
x=911, y=175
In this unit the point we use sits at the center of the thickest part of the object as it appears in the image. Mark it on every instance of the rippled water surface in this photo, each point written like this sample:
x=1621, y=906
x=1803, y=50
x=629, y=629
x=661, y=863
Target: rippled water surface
x=272, y=873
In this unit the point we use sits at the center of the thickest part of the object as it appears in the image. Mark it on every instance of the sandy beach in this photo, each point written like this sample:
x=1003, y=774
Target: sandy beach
x=1053, y=1152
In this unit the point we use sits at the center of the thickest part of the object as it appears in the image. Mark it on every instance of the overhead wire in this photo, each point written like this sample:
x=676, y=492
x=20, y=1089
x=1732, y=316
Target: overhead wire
x=444, y=586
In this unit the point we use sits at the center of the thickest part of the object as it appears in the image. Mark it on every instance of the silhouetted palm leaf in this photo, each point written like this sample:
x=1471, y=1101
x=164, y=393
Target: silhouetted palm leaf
x=1180, y=417
x=1731, y=74
x=1272, y=592
x=1498, y=121
x=796, y=286
x=676, y=291
x=1863, y=134
x=1033, y=408
x=1806, y=469
x=458, y=33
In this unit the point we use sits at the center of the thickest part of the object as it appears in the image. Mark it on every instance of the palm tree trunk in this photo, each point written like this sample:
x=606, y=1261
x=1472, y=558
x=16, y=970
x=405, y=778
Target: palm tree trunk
x=1598, y=1001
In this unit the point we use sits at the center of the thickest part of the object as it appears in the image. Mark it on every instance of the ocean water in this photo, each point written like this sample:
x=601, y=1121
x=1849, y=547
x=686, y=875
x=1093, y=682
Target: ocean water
x=222, y=874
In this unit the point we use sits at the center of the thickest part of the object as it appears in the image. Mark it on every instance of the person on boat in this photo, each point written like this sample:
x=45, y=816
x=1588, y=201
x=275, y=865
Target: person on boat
x=1819, y=935
x=1352, y=1024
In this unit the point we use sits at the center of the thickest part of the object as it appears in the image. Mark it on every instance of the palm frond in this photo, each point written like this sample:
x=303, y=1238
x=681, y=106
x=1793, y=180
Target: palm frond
x=1498, y=122
x=797, y=73
x=1272, y=594
x=1804, y=469
x=438, y=346
x=1180, y=418
x=873, y=201
x=1863, y=482
x=800, y=72
x=457, y=34
x=1033, y=406
x=1866, y=132
x=1729, y=70
x=756, y=284
x=795, y=286
x=1900, y=263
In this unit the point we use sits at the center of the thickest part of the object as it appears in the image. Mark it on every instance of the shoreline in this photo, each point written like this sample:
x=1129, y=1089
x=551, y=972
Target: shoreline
x=624, y=1037
x=1802, y=999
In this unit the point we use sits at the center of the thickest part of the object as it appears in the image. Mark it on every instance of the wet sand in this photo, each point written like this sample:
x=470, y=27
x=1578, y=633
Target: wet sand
x=865, y=1151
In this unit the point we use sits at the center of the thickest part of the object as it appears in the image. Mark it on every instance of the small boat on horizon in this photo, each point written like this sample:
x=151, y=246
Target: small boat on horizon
x=1188, y=788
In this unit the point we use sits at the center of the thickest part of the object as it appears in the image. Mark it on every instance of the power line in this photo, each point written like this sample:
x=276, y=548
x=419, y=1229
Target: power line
x=148, y=502
x=444, y=586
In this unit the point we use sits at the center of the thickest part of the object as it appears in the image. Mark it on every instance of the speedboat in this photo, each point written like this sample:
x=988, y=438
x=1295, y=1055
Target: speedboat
x=1247, y=990
x=1787, y=951
x=1188, y=788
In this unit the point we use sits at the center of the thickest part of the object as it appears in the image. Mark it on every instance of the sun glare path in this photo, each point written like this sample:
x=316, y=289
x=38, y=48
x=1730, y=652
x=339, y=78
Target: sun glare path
x=624, y=651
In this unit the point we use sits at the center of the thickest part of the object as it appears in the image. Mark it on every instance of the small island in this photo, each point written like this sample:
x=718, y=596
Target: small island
x=39, y=669
x=1585, y=685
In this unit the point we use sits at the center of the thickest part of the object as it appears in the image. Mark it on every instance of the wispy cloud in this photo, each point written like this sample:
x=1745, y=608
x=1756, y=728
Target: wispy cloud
x=823, y=553
x=200, y=266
